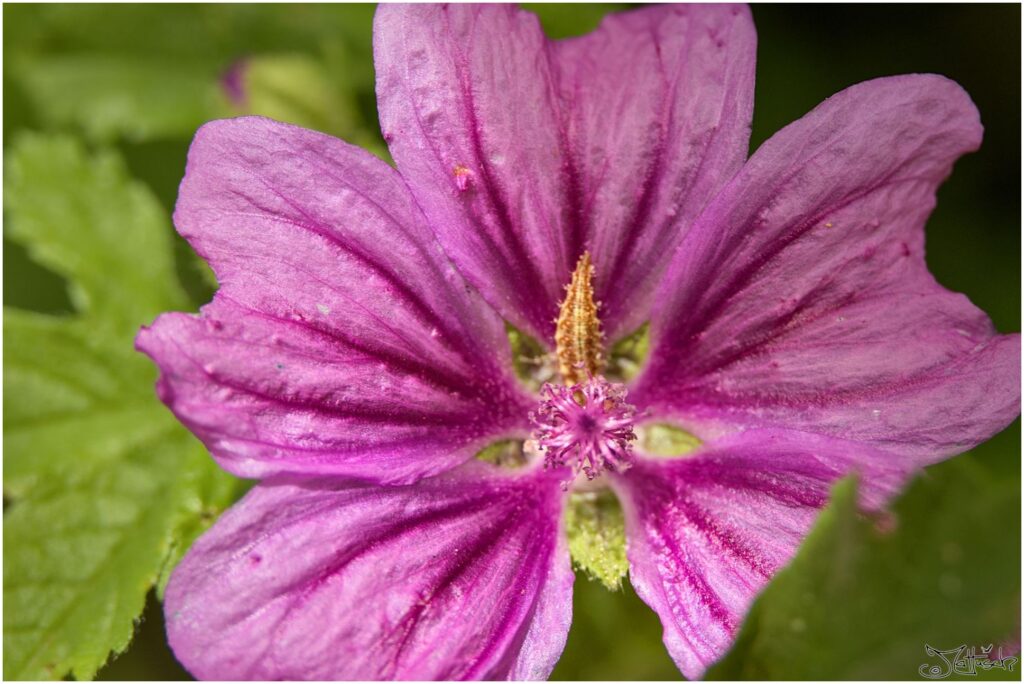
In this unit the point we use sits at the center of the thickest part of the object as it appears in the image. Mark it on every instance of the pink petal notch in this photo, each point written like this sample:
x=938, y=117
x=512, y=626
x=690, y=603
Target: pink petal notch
x=801, y=298
x=458, y=577
x=525, y=152
x=708, y=531
x=341, y=340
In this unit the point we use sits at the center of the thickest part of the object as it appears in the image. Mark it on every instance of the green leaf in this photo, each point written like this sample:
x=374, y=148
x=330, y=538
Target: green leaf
x=294, y=88
x=68, y=401
x=297, y=89
x=212, y=34
x=207, y=491
x=83, y=217
x=104, y=488
x=107, y=96
x=597, y=536
x=564, y=20
x=864, y=596
x=144, y=73
x=82, y=551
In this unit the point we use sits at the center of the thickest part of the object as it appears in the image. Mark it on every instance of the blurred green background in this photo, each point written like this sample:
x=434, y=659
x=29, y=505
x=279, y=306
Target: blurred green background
x=140, y=79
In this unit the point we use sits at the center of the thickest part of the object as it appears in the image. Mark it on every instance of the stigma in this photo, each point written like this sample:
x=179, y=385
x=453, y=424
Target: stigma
x=578, y=329
x=585, y=423
x=587, y=426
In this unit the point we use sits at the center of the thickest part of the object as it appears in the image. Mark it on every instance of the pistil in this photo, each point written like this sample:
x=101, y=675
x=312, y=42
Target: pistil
x=585, y=423
x=578, y=331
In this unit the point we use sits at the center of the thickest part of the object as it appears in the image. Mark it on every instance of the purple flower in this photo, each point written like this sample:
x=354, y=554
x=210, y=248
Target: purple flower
x=356, y=356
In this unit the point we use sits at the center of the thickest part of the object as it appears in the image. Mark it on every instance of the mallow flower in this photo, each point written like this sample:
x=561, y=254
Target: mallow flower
x=357, y=359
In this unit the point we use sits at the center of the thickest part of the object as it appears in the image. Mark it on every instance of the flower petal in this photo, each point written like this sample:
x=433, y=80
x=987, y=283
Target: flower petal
x=341, y=341
x=705, y=533
x=660, y=103
x=801, y=297
x=464, y=576
x=524, y=152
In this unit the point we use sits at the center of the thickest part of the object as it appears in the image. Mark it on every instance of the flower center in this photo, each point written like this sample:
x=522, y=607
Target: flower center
x=585, y=424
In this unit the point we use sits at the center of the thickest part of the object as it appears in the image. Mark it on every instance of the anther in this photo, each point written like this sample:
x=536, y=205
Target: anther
x=587, y=426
